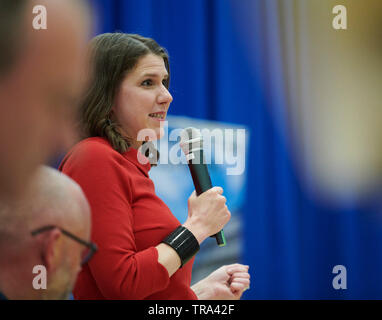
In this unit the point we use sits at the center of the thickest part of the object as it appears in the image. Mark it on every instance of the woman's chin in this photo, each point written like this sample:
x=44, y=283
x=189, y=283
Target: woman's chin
x=150, y=134
x=160, y=133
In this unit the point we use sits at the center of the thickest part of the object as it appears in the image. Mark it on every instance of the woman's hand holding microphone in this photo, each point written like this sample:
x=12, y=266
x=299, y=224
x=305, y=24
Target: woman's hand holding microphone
x=207, y=213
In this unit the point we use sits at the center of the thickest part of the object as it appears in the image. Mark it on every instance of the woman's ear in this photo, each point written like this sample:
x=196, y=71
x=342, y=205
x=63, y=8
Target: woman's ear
x=52, y=250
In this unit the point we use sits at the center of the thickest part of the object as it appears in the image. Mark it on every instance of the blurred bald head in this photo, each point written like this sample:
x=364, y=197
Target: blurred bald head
x=42, y=76
x=54, y=199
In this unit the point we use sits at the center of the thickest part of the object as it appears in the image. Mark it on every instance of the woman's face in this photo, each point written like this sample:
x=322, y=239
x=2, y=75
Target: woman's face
x=142, y=100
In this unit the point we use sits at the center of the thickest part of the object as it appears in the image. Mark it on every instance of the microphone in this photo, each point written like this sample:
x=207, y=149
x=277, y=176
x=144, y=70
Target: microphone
x=191, y=142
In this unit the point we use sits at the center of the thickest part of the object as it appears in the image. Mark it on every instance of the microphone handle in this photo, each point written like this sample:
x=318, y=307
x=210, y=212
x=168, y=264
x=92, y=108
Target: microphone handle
x=202, y=183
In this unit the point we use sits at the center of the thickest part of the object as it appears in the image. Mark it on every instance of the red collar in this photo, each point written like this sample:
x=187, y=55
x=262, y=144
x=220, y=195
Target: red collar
x=140, y=161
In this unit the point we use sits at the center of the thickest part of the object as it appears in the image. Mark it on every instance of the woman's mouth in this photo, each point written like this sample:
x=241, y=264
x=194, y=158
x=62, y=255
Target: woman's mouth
x=159, y=116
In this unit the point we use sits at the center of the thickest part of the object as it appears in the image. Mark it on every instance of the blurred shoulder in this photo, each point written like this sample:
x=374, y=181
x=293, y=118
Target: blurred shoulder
x=94, y=145
x=93, y=163
x=92, y=151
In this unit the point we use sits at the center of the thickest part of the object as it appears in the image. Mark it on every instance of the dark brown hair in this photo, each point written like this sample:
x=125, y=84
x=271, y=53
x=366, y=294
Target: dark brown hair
x=112, y=57
x=13, y=18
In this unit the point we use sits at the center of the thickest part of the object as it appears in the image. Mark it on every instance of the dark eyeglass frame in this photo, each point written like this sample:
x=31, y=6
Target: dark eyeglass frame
x=90, y=245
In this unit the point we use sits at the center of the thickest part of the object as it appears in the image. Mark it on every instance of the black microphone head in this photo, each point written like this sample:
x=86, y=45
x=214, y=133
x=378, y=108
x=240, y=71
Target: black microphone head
x=191, y=140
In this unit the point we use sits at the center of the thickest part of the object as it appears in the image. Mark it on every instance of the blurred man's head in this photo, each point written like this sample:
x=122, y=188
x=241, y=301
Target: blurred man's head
x=42, y=75
x=52, y=199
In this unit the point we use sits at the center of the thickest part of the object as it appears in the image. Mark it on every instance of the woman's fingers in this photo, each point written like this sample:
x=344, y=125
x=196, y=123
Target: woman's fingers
x=244, y=275
x=239, y=285
x=192, y=195
x=233, y=268
x=241, y=280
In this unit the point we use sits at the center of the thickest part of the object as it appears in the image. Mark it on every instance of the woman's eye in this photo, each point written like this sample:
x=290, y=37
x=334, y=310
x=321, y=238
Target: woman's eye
x=147, y=83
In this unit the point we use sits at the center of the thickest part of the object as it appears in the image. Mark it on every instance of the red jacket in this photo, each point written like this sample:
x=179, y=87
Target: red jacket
x=128, y=221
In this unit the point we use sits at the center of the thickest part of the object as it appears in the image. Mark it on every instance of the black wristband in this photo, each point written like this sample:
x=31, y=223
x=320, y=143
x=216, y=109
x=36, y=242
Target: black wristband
x=184, y=243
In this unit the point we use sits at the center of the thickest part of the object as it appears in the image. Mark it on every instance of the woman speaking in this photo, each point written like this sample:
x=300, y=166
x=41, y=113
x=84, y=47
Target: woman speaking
x=144, y=251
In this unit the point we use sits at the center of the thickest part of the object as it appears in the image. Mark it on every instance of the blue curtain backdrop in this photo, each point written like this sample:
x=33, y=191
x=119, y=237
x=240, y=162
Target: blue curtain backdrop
x=221, y=73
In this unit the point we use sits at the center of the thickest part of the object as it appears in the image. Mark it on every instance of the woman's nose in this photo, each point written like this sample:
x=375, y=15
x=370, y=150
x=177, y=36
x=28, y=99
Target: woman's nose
x=164, y=96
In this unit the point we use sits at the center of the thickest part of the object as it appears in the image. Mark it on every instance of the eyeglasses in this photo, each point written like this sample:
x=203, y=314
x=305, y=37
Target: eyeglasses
x=91, y=247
